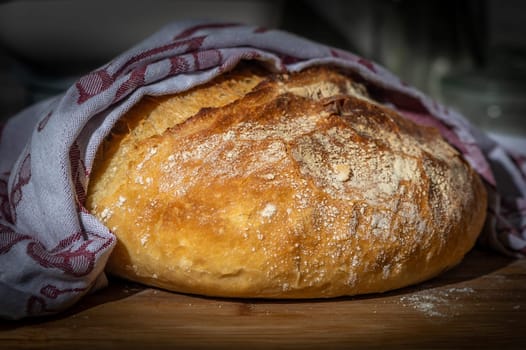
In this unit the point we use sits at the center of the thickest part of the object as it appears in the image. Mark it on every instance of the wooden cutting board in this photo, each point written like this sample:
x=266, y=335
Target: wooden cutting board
x=479, y=304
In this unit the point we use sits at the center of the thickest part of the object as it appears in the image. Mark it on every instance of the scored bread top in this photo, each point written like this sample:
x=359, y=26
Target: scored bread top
x=261, y=184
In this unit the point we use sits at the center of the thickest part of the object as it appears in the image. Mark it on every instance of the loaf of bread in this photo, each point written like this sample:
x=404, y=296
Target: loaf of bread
x=259, y=184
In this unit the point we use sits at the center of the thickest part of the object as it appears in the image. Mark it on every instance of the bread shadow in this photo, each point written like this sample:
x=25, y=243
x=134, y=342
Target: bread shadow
x=117, y=289
x=476, y=264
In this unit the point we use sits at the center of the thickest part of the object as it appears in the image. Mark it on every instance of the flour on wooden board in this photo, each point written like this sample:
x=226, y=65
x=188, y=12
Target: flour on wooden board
x=437, y=303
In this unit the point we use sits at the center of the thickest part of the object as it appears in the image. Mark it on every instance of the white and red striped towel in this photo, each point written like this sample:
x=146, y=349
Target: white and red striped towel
x=53, y=252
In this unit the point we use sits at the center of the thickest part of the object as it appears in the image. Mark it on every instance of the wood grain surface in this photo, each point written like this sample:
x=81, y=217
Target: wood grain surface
x=480, y=304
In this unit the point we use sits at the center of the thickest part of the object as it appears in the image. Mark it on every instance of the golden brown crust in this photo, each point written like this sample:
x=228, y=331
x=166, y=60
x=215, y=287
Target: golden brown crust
x=284, y=186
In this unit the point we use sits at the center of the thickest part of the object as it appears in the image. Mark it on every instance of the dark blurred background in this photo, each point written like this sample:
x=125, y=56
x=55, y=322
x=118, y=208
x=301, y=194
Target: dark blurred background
x=469, y=54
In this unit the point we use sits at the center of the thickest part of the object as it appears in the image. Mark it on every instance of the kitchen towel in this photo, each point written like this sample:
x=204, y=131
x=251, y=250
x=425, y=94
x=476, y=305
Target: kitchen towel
x=53, y=252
